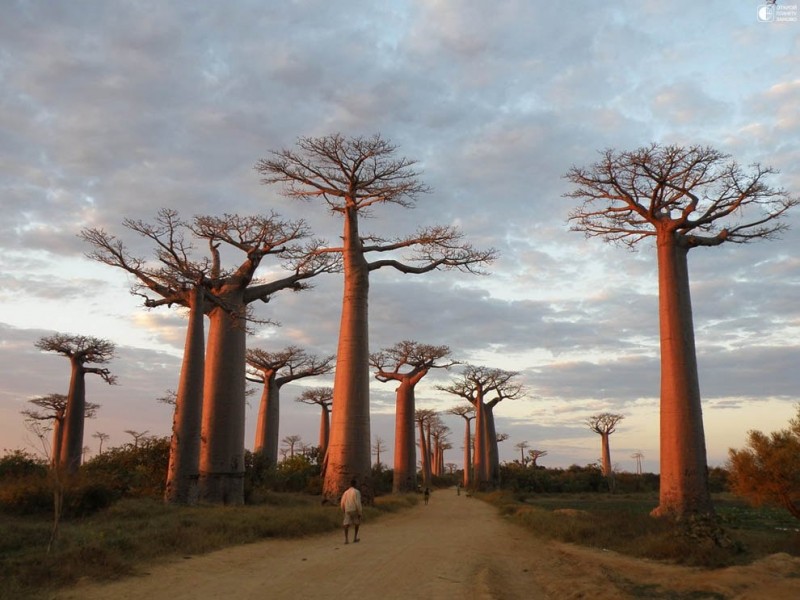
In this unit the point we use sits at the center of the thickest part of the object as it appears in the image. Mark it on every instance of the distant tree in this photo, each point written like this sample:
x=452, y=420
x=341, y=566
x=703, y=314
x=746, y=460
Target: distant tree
x=274, y=370
x=378, y=446
x=423, y=417
x=353, y=176
x=103, y=437
x=767, y=471
x=484, y=388
x=82, y=351
x=604, y=424
x=638, y=456
x=522, y=446
x=407, y=362
x=466, y=412
x=536, y=455
x=137, y=436
x=291, y=442
x=322, y=397
x=53, y=407
x=683, y=198
x=439, y=433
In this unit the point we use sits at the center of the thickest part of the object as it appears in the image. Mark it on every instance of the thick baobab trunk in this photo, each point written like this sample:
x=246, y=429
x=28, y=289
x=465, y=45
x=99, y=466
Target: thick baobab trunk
x=684, y=474
x=222, y=437
x=405, y=455
x=424, y=451
x=184, y=449
x=467, y=453
x=58, y=434
x=71, y=449
x=480, y=470
x=606, y=454
x=324, y=429
x=349, y=449
x=267, y=434
x=492, y=451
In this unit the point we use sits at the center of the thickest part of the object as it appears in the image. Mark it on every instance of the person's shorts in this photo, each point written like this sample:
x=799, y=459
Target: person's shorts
x=352, y=518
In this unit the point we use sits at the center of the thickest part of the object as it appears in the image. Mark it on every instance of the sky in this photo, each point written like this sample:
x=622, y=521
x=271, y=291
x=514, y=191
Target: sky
x=115, y=110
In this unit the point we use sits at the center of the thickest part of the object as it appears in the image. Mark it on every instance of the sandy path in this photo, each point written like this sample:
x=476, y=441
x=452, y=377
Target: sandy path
x=456, y=547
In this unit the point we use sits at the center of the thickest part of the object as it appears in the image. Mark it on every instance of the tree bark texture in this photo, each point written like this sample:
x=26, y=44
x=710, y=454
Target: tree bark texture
x=349, y=448
x=222, y=437
x=424, y=451
x=467, y=453
x=405, y=455
x=492, y=451
x=268, y=424
x=184, y=449
x=324, y=429
x=480, y=471
x=606, y=454
x=684, y=474
x=72, y=436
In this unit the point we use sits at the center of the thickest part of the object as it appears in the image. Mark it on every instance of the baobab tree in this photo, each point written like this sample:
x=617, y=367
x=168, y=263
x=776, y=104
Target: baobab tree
x=274, y=370
x=102, y=437
x=378, y=446
x=290, y=442
x=536, y=455
x=53, y=407
x=423, y=417
x=407, y=362
x=466, y=412
x=322, y=397
x=137, y=436
x=354, y=176
x=224, y=295
x=604, y=424
x=683, y=198
x=82, y=351
x=522, y=446
x=638, y=456
x=485, y=388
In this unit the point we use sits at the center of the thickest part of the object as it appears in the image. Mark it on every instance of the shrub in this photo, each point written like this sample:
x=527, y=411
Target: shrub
x=19, y=463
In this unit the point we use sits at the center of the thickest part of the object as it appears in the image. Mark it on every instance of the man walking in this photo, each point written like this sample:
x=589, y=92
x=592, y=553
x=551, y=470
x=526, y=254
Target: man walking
x=351, y=507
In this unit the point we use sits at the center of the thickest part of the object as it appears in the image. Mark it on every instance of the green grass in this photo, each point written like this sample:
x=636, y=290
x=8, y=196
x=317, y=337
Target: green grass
x=114, y=542
x=622, y=523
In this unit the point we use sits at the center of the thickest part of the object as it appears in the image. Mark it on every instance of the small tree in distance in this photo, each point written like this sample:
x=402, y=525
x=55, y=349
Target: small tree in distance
x=683, y=198
x=767, y=471
x=604, y=425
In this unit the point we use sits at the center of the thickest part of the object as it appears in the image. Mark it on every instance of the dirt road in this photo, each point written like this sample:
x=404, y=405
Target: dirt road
x=456, y=547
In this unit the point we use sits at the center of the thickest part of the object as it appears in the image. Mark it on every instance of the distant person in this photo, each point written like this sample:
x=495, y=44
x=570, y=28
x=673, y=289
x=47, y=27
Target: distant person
x=427, y=495
x=351, y=507
x=458, y=488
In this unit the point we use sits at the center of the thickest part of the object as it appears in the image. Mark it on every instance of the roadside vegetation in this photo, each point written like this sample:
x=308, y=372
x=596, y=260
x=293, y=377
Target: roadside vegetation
x=115, y=522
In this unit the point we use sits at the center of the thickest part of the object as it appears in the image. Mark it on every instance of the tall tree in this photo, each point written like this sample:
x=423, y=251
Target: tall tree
x=466, y=412
x=174, y=277
x=212, y=430
x=102, y=437
x=604, y=424
x=484, y=388
x=322, y=397
x=53, y=407
x=423, y=417
x=354, y=176
x=82, y=351
x=274, y=370
x=407, y=362
x=290, y=442
x=683, y=198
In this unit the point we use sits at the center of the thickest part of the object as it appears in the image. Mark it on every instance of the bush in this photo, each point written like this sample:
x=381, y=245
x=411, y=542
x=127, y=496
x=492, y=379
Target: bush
x=133, y=471
x=19, y=463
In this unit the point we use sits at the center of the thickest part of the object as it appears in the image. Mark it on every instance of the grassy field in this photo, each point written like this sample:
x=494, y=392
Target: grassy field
x=622, y=523
x=132, y=532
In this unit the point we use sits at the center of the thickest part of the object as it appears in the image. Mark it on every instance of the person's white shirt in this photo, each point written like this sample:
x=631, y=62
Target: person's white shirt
x=351, y=501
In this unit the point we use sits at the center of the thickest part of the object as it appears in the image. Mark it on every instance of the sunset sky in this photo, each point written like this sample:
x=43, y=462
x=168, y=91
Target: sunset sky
x=113, y=110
